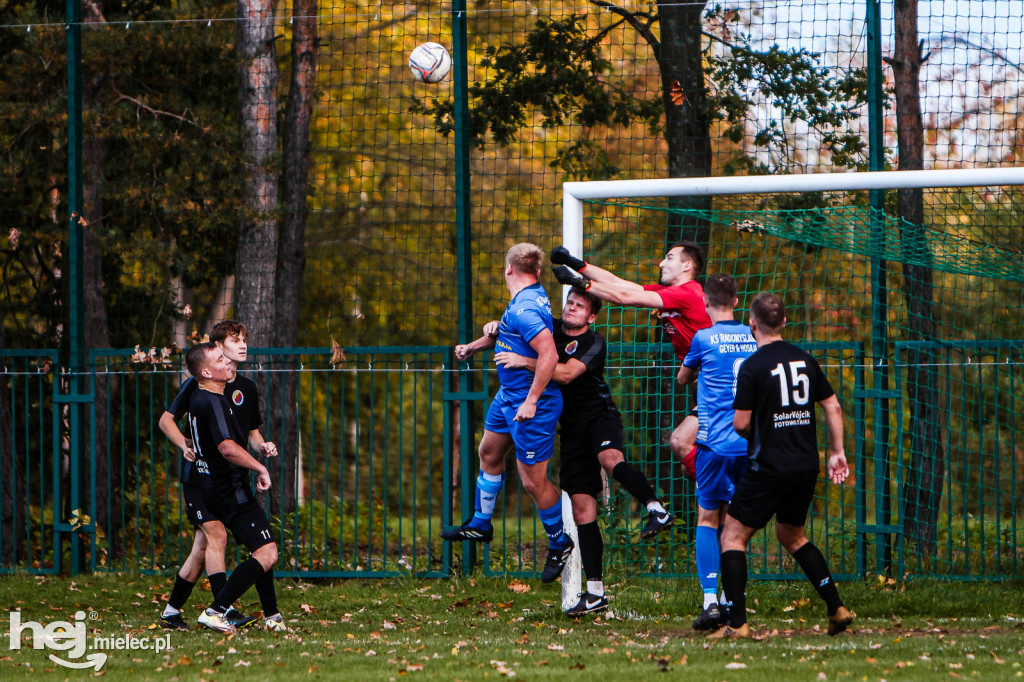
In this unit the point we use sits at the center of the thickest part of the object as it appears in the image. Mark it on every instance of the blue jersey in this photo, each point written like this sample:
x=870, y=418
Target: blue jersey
x=717, y=353
x=527, y=314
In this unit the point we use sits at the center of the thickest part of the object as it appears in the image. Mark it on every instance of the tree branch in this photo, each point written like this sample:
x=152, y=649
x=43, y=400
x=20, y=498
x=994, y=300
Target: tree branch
x=631, y=18
x=157, y=112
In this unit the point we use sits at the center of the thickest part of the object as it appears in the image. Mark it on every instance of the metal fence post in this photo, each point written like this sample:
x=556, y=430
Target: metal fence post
x=879, y=296
x=467, y=425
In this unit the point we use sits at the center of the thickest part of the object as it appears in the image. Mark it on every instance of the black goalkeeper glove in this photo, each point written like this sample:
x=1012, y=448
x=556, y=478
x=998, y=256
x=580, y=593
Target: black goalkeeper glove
x=561, y=256
x=571, y=277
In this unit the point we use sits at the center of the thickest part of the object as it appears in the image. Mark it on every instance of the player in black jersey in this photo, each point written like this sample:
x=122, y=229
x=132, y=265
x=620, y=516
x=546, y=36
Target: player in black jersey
x=591, y=438
x=211, y=537
x=222, y=460
x=776, y=390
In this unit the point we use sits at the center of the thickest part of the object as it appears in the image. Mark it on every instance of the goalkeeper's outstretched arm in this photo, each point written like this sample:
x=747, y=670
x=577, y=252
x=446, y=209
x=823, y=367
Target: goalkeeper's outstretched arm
x=562, y=256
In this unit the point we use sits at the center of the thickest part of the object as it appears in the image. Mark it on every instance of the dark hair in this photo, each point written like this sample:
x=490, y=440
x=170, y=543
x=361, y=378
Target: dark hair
x=223, y=330
x=720, y=290
x=593, y=302
x=195, y=358
x=694, y=252
x=769, y=311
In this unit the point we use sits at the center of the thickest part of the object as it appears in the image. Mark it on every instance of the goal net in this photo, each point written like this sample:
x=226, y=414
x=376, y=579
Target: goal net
x=916, y=321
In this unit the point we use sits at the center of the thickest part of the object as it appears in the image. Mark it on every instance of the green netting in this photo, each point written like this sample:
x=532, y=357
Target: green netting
x=865, y=232
x=928, y=388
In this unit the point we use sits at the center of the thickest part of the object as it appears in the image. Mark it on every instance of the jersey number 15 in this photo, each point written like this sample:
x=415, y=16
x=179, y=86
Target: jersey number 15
x=800, y=391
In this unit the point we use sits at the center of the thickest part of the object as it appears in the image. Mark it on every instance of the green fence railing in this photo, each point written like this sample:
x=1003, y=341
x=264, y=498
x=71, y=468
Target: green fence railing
x=30, y=462
x=359, y=486
x=371, y=445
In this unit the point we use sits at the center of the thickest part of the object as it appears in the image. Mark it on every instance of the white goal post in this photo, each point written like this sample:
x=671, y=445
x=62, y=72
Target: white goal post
x=575, y=193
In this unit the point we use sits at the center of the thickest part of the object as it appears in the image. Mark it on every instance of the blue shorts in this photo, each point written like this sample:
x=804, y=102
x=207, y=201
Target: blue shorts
x=717, y=477
x=534, y=438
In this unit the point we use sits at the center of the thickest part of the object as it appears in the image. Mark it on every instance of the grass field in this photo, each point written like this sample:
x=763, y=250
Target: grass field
x=488, y=628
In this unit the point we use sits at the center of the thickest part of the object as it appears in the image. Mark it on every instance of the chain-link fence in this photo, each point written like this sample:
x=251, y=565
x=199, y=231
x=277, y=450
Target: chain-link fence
x=169, y=164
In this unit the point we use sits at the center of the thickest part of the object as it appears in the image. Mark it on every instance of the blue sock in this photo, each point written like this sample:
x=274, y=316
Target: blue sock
x=707, y=559
x=551, y=519
x=487, y=488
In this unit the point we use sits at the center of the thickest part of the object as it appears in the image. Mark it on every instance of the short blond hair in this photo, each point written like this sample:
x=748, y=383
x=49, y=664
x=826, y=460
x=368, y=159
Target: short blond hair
x=526, y=258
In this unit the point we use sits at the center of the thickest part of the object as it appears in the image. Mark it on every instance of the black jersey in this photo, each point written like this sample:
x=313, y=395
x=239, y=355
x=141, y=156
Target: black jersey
x=587, y=395
x=780, y=384
x=212, y=421
x=245, y=401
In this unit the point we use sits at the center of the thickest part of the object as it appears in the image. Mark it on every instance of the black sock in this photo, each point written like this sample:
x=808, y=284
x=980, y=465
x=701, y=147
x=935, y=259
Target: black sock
x=268, y=595
x=180, y=592
x=217, y=582
x=242, y=578
x=591, y=549
x=734, y=582
x=816, y=569
x=633, y=480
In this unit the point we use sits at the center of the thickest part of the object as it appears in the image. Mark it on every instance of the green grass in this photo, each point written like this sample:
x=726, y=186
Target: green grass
x=483, y=628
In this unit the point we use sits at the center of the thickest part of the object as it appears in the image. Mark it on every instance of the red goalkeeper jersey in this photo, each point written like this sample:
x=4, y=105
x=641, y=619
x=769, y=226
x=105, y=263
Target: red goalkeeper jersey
x=682, y=313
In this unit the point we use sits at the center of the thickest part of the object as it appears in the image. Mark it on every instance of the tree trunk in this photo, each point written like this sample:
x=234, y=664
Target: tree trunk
x=257, y=237
x=923, y=490
x=687, y=130
x=291, y=262
x=97, y=330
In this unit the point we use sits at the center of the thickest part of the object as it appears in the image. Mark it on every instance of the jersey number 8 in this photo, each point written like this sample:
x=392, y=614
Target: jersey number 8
x=801, y=388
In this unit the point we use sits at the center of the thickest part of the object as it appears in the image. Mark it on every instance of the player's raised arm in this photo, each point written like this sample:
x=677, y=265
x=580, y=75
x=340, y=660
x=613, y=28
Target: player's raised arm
x=561, y=256
x=620, y=292
x=464, y=351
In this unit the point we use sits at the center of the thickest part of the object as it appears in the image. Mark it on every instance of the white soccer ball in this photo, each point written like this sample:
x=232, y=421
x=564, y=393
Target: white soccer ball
x=430, y=62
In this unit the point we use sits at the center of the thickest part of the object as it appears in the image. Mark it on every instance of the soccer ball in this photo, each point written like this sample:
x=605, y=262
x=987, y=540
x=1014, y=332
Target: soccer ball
x=430, y=62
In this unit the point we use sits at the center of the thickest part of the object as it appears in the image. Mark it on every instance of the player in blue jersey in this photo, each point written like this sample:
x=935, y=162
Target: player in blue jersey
x=714, y=359
x=525, y=411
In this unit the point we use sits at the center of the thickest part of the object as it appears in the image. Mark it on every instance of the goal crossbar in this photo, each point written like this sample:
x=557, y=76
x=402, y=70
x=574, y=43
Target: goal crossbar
x=575, y=193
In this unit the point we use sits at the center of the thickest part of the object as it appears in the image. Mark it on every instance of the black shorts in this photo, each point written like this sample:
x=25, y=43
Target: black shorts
x=763, y=494
x=693, y=412
x=580, y=471
x=238, y=510
x=196, y=505
x=249, y=524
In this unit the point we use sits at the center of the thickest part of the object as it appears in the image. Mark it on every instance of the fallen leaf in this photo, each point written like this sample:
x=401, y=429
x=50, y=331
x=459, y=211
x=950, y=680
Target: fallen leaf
x=518, y=587
x=337, y=353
